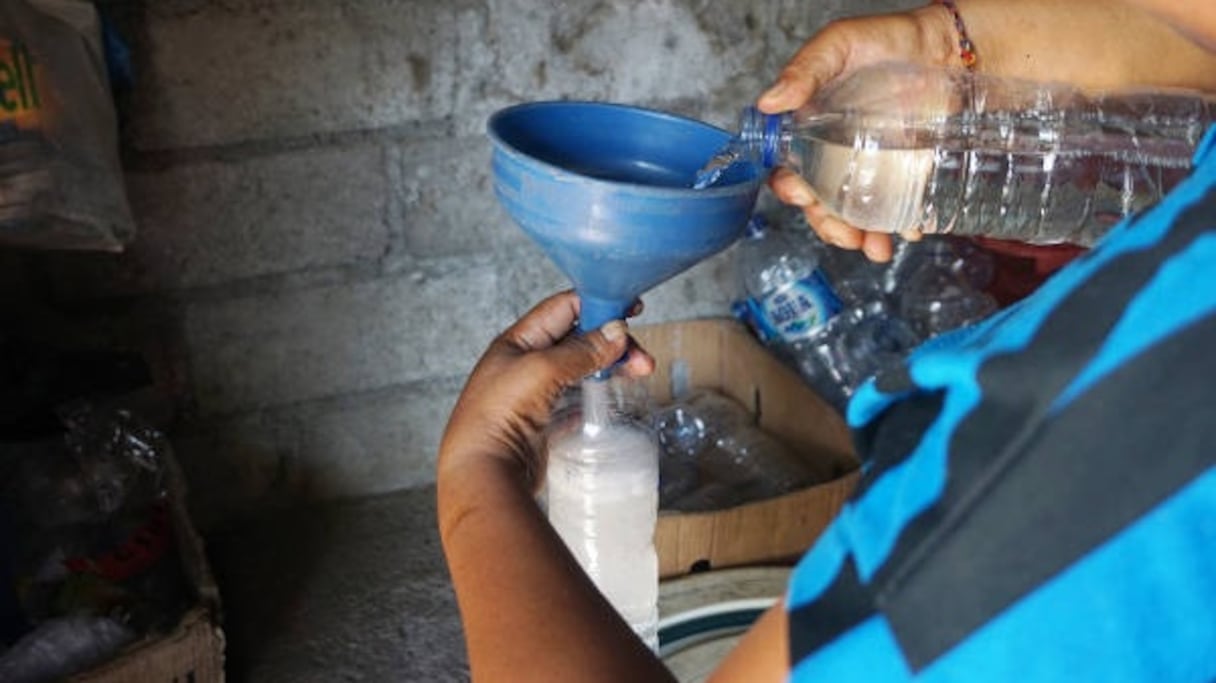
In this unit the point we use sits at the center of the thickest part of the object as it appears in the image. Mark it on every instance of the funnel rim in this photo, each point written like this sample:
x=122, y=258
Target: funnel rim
x=505, y=147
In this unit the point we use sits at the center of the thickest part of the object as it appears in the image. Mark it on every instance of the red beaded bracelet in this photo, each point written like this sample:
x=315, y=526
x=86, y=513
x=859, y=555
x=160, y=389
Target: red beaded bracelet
x=966, y=49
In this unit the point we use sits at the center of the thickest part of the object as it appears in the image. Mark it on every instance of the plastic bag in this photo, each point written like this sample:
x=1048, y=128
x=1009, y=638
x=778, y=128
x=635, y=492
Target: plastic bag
x=61, y=184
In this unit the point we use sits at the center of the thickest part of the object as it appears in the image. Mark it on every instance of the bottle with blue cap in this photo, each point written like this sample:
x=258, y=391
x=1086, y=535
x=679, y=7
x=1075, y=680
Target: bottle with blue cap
x=895, y=147
x=787, y=297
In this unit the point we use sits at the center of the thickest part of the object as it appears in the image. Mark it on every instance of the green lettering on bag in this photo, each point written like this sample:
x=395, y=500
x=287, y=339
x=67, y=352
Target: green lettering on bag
x=18, y=84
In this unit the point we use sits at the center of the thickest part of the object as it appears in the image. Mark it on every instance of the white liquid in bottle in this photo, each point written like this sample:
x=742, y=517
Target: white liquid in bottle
x=870, y=187
x=897, y=146
x=602, y=482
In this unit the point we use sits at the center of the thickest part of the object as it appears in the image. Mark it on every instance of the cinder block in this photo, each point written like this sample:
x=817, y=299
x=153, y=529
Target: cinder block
x=275, y=349
x=234, y=466
x=448, y=199
x=219, y=73
x=252, y=69
x=375, y=443
x=367, y=121
x=355, y=445
x=648, y=53
x=527, y=276
x=214, y=222
x=705, y=290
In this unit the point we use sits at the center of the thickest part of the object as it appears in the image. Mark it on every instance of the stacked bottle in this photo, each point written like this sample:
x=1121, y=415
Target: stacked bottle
x=858, y=318
x=786, y=296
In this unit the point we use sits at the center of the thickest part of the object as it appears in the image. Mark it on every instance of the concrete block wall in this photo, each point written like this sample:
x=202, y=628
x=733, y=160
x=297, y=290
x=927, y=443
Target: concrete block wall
x=320, y=258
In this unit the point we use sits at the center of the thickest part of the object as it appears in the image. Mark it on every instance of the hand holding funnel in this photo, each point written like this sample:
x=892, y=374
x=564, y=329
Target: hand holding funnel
x=605, y=190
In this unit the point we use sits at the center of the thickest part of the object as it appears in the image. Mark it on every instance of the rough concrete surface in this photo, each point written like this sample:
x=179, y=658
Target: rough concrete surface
x=351, y=591
x=318, y=236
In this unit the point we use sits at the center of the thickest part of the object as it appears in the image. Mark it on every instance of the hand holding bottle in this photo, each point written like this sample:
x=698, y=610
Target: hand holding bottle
x=516, y=581
x=509, y=396
x=1094, y=44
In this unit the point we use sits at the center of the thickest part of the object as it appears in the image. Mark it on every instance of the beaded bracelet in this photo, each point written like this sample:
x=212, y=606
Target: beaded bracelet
x=966, y=49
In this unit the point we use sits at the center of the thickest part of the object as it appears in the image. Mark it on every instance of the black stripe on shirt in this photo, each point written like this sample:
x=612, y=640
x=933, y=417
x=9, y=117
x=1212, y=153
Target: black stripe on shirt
x=1017, y=390
x=889, y=441
x=1118, y=450
x=842, y=606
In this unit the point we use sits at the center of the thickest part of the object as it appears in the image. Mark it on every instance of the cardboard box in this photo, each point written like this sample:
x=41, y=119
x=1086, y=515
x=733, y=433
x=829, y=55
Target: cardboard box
x=193, y=652
x=721, y=354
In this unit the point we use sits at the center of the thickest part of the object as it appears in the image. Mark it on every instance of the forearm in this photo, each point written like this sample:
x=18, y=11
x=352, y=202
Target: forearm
x=529, y=611
x=1099, y=44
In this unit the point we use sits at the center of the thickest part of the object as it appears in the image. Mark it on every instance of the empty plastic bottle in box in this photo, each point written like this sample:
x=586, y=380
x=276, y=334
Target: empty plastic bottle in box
x=63, y=646
x=683, y=435
x=88, y=540
x=787, y=297
x=959, y=255
x=854, y=278
x=834, y=351
x=900, y=146
x=937, y=285
x=735, y=460
x=602, y=494
x=857, y=344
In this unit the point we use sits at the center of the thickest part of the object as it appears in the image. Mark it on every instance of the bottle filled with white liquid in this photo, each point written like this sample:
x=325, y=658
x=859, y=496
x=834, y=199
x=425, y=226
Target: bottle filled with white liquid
x=897, y=146
x=602, y=483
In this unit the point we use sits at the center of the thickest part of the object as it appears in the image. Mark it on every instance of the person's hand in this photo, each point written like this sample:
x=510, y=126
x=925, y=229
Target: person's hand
x=505, y=405
x=1093, y=44
x=923, y=36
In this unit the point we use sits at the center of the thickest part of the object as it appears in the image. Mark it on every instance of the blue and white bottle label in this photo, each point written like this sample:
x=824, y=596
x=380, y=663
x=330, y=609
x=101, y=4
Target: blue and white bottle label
x=796, y=310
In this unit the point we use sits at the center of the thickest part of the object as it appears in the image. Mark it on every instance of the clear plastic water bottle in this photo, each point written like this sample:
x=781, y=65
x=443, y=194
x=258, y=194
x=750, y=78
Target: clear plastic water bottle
x=959, y=255
x=737, y=460
x=900, y=146
x=860, y=342
x=787, y=296
x=62, y=646
x=602, y=487
x=855, y=279
x=683, y=435
x=936, y=287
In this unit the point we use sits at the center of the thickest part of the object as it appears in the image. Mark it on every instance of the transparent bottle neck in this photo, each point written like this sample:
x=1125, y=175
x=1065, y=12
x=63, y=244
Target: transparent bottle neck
x=757, y=227
x=601, y=401
x=765, y=137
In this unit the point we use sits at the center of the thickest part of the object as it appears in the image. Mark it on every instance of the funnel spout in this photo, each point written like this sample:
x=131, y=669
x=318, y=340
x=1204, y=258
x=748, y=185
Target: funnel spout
x=595, y=312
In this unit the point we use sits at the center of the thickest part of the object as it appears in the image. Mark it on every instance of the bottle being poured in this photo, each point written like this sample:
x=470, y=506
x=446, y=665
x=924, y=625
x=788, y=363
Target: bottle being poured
x=896, y=147
x=602, y=485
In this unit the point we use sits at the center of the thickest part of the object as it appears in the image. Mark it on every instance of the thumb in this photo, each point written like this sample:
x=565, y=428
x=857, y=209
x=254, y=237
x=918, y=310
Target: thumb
x=817, y=62
x=580, y=355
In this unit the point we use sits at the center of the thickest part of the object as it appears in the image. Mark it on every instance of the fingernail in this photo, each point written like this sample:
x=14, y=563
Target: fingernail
x=873, y=254
x=774, y=92
x=800, y=197
x=840, y=239
x=614, y=330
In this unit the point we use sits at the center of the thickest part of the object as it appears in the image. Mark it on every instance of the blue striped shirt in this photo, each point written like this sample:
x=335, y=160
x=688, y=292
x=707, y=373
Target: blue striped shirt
x=1038, y=499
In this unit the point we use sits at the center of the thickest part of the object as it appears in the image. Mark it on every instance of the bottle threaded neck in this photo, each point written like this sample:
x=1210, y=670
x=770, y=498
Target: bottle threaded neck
x=757, y=226
x=761, y=134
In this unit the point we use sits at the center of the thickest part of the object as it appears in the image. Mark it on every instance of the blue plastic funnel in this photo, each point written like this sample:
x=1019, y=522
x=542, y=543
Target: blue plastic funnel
x=605, y=190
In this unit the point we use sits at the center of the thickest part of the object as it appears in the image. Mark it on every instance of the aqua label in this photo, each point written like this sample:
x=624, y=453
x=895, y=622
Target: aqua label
x=798, y=309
